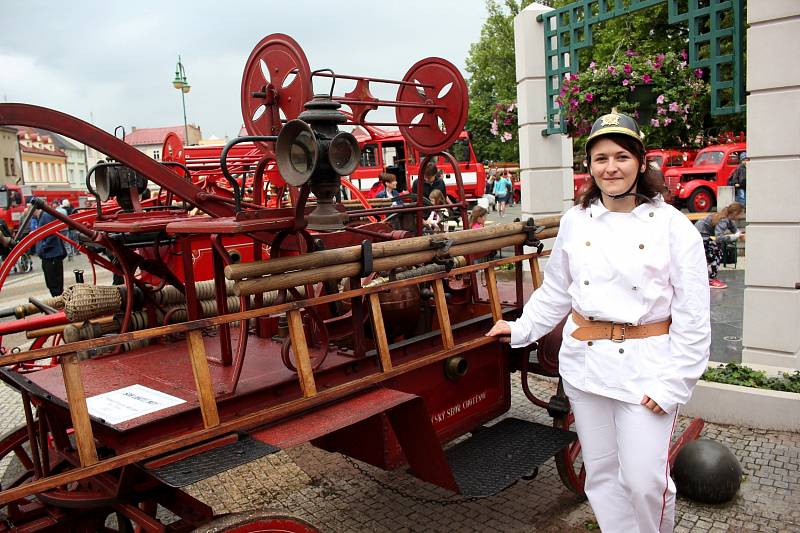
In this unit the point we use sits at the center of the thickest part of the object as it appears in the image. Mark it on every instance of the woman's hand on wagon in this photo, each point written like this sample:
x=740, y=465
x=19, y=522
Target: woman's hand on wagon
x=500, y=329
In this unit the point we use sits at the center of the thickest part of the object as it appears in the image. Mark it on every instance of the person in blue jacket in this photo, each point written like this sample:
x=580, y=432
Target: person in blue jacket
x=51, y=251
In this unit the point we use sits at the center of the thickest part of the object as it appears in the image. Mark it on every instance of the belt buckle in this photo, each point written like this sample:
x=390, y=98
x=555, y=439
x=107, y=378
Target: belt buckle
x=622, y=326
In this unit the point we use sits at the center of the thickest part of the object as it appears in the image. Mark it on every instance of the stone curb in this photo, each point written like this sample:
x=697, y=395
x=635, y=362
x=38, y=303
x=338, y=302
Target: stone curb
x=744, y=406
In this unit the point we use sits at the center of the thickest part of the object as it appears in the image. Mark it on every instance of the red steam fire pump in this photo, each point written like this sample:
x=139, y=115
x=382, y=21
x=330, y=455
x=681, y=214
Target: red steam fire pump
x=336, y=323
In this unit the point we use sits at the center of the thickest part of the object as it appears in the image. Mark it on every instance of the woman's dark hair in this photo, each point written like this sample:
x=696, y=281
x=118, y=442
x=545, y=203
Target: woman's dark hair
x=650, y=182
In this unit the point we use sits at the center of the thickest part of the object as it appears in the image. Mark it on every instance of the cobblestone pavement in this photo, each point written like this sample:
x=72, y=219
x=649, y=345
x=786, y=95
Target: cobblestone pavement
x=331, y=493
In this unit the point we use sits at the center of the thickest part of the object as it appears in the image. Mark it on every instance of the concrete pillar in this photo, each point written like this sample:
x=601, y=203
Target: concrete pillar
x=545, y=162
x=771, y=331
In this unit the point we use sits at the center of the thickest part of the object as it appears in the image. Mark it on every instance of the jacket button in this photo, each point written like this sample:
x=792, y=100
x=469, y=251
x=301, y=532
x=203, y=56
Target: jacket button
x=590, y=343
x=591, y=318
x=652, y=214
x=586, y=282
x=641, y=246
x=634, y=288
x=588, y=243
x=621, y=350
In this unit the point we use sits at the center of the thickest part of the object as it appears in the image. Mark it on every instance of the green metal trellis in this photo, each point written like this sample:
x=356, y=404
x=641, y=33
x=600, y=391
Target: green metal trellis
x=569, y=28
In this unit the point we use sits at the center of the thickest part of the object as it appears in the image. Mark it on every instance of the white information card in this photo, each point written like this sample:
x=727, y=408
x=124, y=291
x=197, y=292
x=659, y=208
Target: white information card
x=128, y=403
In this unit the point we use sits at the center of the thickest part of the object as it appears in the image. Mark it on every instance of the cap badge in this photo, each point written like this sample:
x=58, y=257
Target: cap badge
x=610, y=120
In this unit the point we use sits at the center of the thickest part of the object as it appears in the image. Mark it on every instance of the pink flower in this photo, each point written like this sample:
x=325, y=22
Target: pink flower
x=493, y=128
x=654, y=122
x=507, y=121
x=625, y=82
x=684, y=55
x=667, y=121
x=588, y=97
x=573, y=103
x=592, y=65
x=506, y=136
x=660, y=58
x=630, y=53
x=662, y=111
x=563, y=90
x=627, y=68
x=674, y=107
x=698, y=72
x=660, y=99
x=611, y=69
x=647, y=79
x=511, y=108
x=682, y=65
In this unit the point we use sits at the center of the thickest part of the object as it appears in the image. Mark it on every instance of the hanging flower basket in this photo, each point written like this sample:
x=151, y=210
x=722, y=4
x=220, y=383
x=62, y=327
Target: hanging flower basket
x=662, y=92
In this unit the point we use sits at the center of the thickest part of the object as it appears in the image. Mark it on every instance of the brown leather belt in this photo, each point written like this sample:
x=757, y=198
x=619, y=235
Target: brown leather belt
x=592, y=330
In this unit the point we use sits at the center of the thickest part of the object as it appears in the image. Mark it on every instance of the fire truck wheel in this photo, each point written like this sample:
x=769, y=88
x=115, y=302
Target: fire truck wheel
x=569, y=462
x=700, y=201
x=267, y=520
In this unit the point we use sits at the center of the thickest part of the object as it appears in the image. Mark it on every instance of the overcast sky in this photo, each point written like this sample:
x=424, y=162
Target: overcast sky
x=112, y=62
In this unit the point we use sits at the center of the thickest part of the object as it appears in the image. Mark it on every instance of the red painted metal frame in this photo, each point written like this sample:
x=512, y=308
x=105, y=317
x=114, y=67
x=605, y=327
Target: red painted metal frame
x=57, y=122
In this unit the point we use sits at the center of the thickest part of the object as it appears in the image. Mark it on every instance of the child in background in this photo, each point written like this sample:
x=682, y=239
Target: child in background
x=718, y=228
x=436, y=219
x=477, y=218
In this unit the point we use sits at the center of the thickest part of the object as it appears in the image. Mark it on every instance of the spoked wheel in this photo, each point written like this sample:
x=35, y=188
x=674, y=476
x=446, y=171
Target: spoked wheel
x=569, y=461
x=16, y=465
x=266, y=521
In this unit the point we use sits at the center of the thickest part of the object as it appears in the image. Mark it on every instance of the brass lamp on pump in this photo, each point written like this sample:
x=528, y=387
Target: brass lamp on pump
x=311, y=147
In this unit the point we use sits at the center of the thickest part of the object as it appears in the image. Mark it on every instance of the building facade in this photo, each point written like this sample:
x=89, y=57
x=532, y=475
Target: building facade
x=11, y=171
x=44, y=164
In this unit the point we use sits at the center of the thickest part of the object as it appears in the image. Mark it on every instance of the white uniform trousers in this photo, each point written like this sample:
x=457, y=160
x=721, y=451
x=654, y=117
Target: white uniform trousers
x=625, y=450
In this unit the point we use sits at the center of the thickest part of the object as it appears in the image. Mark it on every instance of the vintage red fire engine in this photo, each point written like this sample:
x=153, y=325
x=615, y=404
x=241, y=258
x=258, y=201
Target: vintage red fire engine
x=336, y=323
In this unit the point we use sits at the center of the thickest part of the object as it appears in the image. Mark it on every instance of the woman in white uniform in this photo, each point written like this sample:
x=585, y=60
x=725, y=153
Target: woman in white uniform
x=630, y=272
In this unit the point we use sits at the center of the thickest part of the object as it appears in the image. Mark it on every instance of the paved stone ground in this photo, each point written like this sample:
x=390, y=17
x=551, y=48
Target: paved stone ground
x=336, y=496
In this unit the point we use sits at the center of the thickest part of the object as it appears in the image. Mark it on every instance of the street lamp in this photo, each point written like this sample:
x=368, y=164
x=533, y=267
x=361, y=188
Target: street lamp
x=181, y=84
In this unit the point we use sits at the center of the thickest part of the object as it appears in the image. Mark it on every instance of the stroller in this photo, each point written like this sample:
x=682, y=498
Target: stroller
x=25, y=263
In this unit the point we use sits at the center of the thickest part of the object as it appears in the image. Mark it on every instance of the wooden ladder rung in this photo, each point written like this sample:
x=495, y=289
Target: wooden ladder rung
x=494, y=295
x=297, y=335
x=202, y=378
x=442, y=314
x=78, y=410
x=536, y=273
x=380, y=332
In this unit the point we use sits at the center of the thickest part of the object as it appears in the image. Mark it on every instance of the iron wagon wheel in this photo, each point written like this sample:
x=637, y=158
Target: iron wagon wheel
x=569, y=462
x=19, y=466
x=263, y=521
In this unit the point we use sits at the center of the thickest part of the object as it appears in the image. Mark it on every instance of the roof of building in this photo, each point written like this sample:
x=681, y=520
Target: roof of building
x=146, y=136
x=45, y=137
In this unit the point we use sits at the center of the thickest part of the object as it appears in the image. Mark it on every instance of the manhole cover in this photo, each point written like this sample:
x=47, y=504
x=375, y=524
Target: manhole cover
x=732, y=338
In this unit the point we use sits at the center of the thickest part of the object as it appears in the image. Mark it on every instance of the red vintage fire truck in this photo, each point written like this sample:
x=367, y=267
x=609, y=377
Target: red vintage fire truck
x=696, y=187
x=13, y=201
x=387, y=151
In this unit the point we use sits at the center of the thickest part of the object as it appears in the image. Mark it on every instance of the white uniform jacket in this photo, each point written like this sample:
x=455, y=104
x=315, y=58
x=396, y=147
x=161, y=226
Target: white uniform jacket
x=633, y=268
